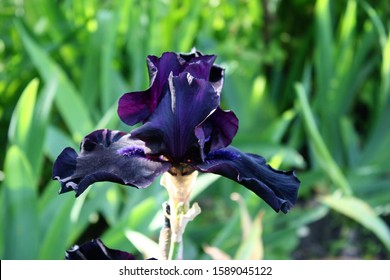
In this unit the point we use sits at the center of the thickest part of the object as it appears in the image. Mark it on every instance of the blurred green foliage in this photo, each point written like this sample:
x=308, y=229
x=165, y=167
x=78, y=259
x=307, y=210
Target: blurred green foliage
x=309, y=81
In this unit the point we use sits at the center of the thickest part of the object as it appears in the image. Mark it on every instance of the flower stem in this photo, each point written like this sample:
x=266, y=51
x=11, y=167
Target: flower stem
x=176, y=251
x=179, y=187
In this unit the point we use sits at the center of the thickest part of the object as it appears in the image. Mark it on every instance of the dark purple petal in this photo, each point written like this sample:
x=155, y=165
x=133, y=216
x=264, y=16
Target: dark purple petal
x=199, y=70
x=135, y=107
x=188, y=103
x=278, y=188
x=106, y=156
x=96, y=250
x=217, y=131
x=216, y=78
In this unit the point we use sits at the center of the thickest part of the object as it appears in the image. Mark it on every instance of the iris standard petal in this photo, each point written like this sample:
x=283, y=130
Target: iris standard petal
x=96, y=250
x=135, y=107
x=213, y=73
x=188, y=103
x=217, y=131
x=278, y=188
x=106, y=156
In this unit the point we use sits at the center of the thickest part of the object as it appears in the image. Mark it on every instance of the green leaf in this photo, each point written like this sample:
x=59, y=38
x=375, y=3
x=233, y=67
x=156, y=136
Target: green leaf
x=202, y=183
x=375, y=153
x=67, y=100
x=277, y=129
x=42, y=110
x=324, y=43
x=20, y=205
x=148, y=247
x=107, y=21
x=385, y=71
x=22, y=116
x=351, y=141
x=55, y=142
x=57, y=221
x=251, y=247
x=2, y=226
x=29, y=123
x=223, y=237
x=362, y=213
x=384, y=41
x=321, y=151
x=139, y=216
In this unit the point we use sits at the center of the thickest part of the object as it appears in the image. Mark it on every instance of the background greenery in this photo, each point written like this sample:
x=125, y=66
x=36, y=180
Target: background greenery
x=309, y=81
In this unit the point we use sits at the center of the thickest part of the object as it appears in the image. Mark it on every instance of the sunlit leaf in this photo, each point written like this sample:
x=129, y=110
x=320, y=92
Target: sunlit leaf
x=251, y=247
x=19, y=205
x=67, y=100
x=362, y=213
x=144, y=244
x=21, y=121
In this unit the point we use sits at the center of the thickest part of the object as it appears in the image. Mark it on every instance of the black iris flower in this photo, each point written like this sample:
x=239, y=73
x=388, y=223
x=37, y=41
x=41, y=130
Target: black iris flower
x=182, y=129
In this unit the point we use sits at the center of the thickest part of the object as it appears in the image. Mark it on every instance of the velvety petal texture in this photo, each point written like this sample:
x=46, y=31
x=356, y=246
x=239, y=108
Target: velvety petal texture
x=106, y=156
x=188, y=102
x=135, y=107
x=217, y=131
x=278, y=188
x=96, y=250
x=183, y=125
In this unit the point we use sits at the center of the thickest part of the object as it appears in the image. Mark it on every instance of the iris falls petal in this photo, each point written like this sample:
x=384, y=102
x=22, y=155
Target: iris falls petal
x=106, y=156
x=182, y=125
x=96, y=250
x=278, y=188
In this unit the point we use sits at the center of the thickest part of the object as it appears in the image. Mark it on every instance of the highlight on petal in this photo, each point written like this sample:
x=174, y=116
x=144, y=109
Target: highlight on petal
x=278, y=188
x=217, y=131
x=202, y=66
x=188, y=102
x=106, y=156
x=96, y=250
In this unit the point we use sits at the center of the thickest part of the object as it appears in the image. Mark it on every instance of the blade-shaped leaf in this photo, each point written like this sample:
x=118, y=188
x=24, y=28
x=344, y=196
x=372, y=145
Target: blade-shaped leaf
x=78, y=119
x=362, y=213
x=144, y=244
x=321, y=151
x=22, y=116
x=19, y=207
x=57, y=220
x=252, y=246
x=323, y=55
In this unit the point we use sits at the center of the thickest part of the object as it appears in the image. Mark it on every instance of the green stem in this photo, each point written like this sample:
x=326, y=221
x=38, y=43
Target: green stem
x=176, y=251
